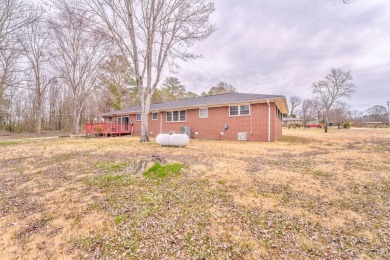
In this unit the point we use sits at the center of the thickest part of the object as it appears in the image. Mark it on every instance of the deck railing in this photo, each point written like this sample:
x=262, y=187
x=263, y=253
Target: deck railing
x=108, y=128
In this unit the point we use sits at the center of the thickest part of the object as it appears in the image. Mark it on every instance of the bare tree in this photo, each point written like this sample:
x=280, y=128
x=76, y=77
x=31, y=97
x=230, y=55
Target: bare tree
x=295, y=101
x=307, y=110
x=14, y=16
x=35, y=47
x=340, y=113
x=337, y=84
x=151, y=34
x=78, y=54
x=116, y=82
x=377, y=113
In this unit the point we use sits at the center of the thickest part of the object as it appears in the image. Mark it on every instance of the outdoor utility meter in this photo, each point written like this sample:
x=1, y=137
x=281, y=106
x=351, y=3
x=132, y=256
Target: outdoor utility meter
x=226, y=126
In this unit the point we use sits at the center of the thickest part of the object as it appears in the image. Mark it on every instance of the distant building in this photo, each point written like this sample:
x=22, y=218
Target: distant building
x=373, y=124
x=286, y=121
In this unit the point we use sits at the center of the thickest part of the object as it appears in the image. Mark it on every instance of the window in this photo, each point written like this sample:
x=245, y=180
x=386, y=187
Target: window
x=244, y=110
x=110, y=119
x=138, y=117
x=182, y=116
x=234, y=111
x=154, y=116
x=176, y=116
x=203, y=113
x=239, y=110
x=169, y=116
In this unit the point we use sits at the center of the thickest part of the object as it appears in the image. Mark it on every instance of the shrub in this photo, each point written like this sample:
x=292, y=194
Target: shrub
x=158, y=171
x=294, y=126
x=346, y=125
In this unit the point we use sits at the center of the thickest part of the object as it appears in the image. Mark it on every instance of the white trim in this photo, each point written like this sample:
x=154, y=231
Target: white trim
x=207, y=112
x=166, y=118
x=239, y=110
x=156, y=114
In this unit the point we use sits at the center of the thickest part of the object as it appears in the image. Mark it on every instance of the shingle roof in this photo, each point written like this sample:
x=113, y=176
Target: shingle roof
x=202, y=101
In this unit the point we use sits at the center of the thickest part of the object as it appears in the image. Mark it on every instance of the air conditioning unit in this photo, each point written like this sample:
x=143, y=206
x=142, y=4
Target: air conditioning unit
x=185, y=130
x=242, y=136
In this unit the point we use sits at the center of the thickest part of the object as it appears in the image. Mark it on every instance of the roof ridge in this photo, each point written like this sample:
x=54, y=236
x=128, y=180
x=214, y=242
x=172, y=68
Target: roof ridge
x=223, y=98
x=206, y=96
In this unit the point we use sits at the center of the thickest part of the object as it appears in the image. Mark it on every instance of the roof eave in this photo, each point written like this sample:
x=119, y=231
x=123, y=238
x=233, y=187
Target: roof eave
x=282, y=104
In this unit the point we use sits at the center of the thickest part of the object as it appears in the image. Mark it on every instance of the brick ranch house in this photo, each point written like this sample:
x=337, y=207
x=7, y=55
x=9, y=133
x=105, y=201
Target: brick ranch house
x=232, y=116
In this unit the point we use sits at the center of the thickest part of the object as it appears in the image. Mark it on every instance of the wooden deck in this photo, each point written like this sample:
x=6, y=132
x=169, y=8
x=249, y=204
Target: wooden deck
x=108, y=129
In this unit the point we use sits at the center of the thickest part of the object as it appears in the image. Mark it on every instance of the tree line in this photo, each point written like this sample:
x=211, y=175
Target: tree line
x=65, y=61
x=326, y=105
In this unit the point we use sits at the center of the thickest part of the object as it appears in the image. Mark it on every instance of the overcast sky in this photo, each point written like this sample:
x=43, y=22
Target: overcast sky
x=282, y=47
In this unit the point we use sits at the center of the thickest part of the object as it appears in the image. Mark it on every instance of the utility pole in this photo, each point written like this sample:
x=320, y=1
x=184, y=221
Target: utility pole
x=388, y=110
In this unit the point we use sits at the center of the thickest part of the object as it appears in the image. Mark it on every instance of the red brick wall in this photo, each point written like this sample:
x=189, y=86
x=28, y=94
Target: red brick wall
x=256, y=124
x=278, y=123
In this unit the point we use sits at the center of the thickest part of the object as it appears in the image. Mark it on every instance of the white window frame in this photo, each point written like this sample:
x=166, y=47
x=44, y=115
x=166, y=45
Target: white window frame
x=207, y=112
x=136, y=117
x=154, y=113
x=239, y=110
x=178, y=119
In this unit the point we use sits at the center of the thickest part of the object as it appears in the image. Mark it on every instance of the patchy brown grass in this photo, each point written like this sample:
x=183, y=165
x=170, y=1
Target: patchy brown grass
x=308, y=195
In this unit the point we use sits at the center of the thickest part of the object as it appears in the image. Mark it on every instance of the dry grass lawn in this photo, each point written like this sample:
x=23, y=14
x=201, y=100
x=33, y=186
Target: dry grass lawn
x=308, y=195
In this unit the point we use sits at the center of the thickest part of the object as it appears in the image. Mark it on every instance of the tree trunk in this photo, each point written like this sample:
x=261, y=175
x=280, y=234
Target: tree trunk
x=38, y=127
x=76, y=120
x=39, y=123
x=145, y=104
x=326, y=121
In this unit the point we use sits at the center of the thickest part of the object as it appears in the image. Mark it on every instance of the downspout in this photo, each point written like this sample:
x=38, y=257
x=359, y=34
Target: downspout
x=269, y=121
x=160, y=122
x=250, y=111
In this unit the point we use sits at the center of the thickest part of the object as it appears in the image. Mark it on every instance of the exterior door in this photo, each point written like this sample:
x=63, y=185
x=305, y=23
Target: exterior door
x=125, y=123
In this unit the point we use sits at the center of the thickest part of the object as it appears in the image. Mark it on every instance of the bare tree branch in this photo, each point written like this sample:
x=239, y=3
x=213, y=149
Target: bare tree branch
x=295, y=101
x=337, y=84
x=77, y=54
x=151, y=33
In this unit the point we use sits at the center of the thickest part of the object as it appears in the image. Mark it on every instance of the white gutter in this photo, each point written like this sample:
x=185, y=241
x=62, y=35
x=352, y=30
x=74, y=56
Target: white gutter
x=250, y=111
x=269, y=121
x=160, y=122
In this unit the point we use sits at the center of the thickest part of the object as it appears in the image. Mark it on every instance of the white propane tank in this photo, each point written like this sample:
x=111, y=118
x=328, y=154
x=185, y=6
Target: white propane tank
x=173, y=139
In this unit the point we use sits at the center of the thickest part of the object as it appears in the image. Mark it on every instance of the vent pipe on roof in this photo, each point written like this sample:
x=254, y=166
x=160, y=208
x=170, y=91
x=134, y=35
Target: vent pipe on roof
x=269, y=121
